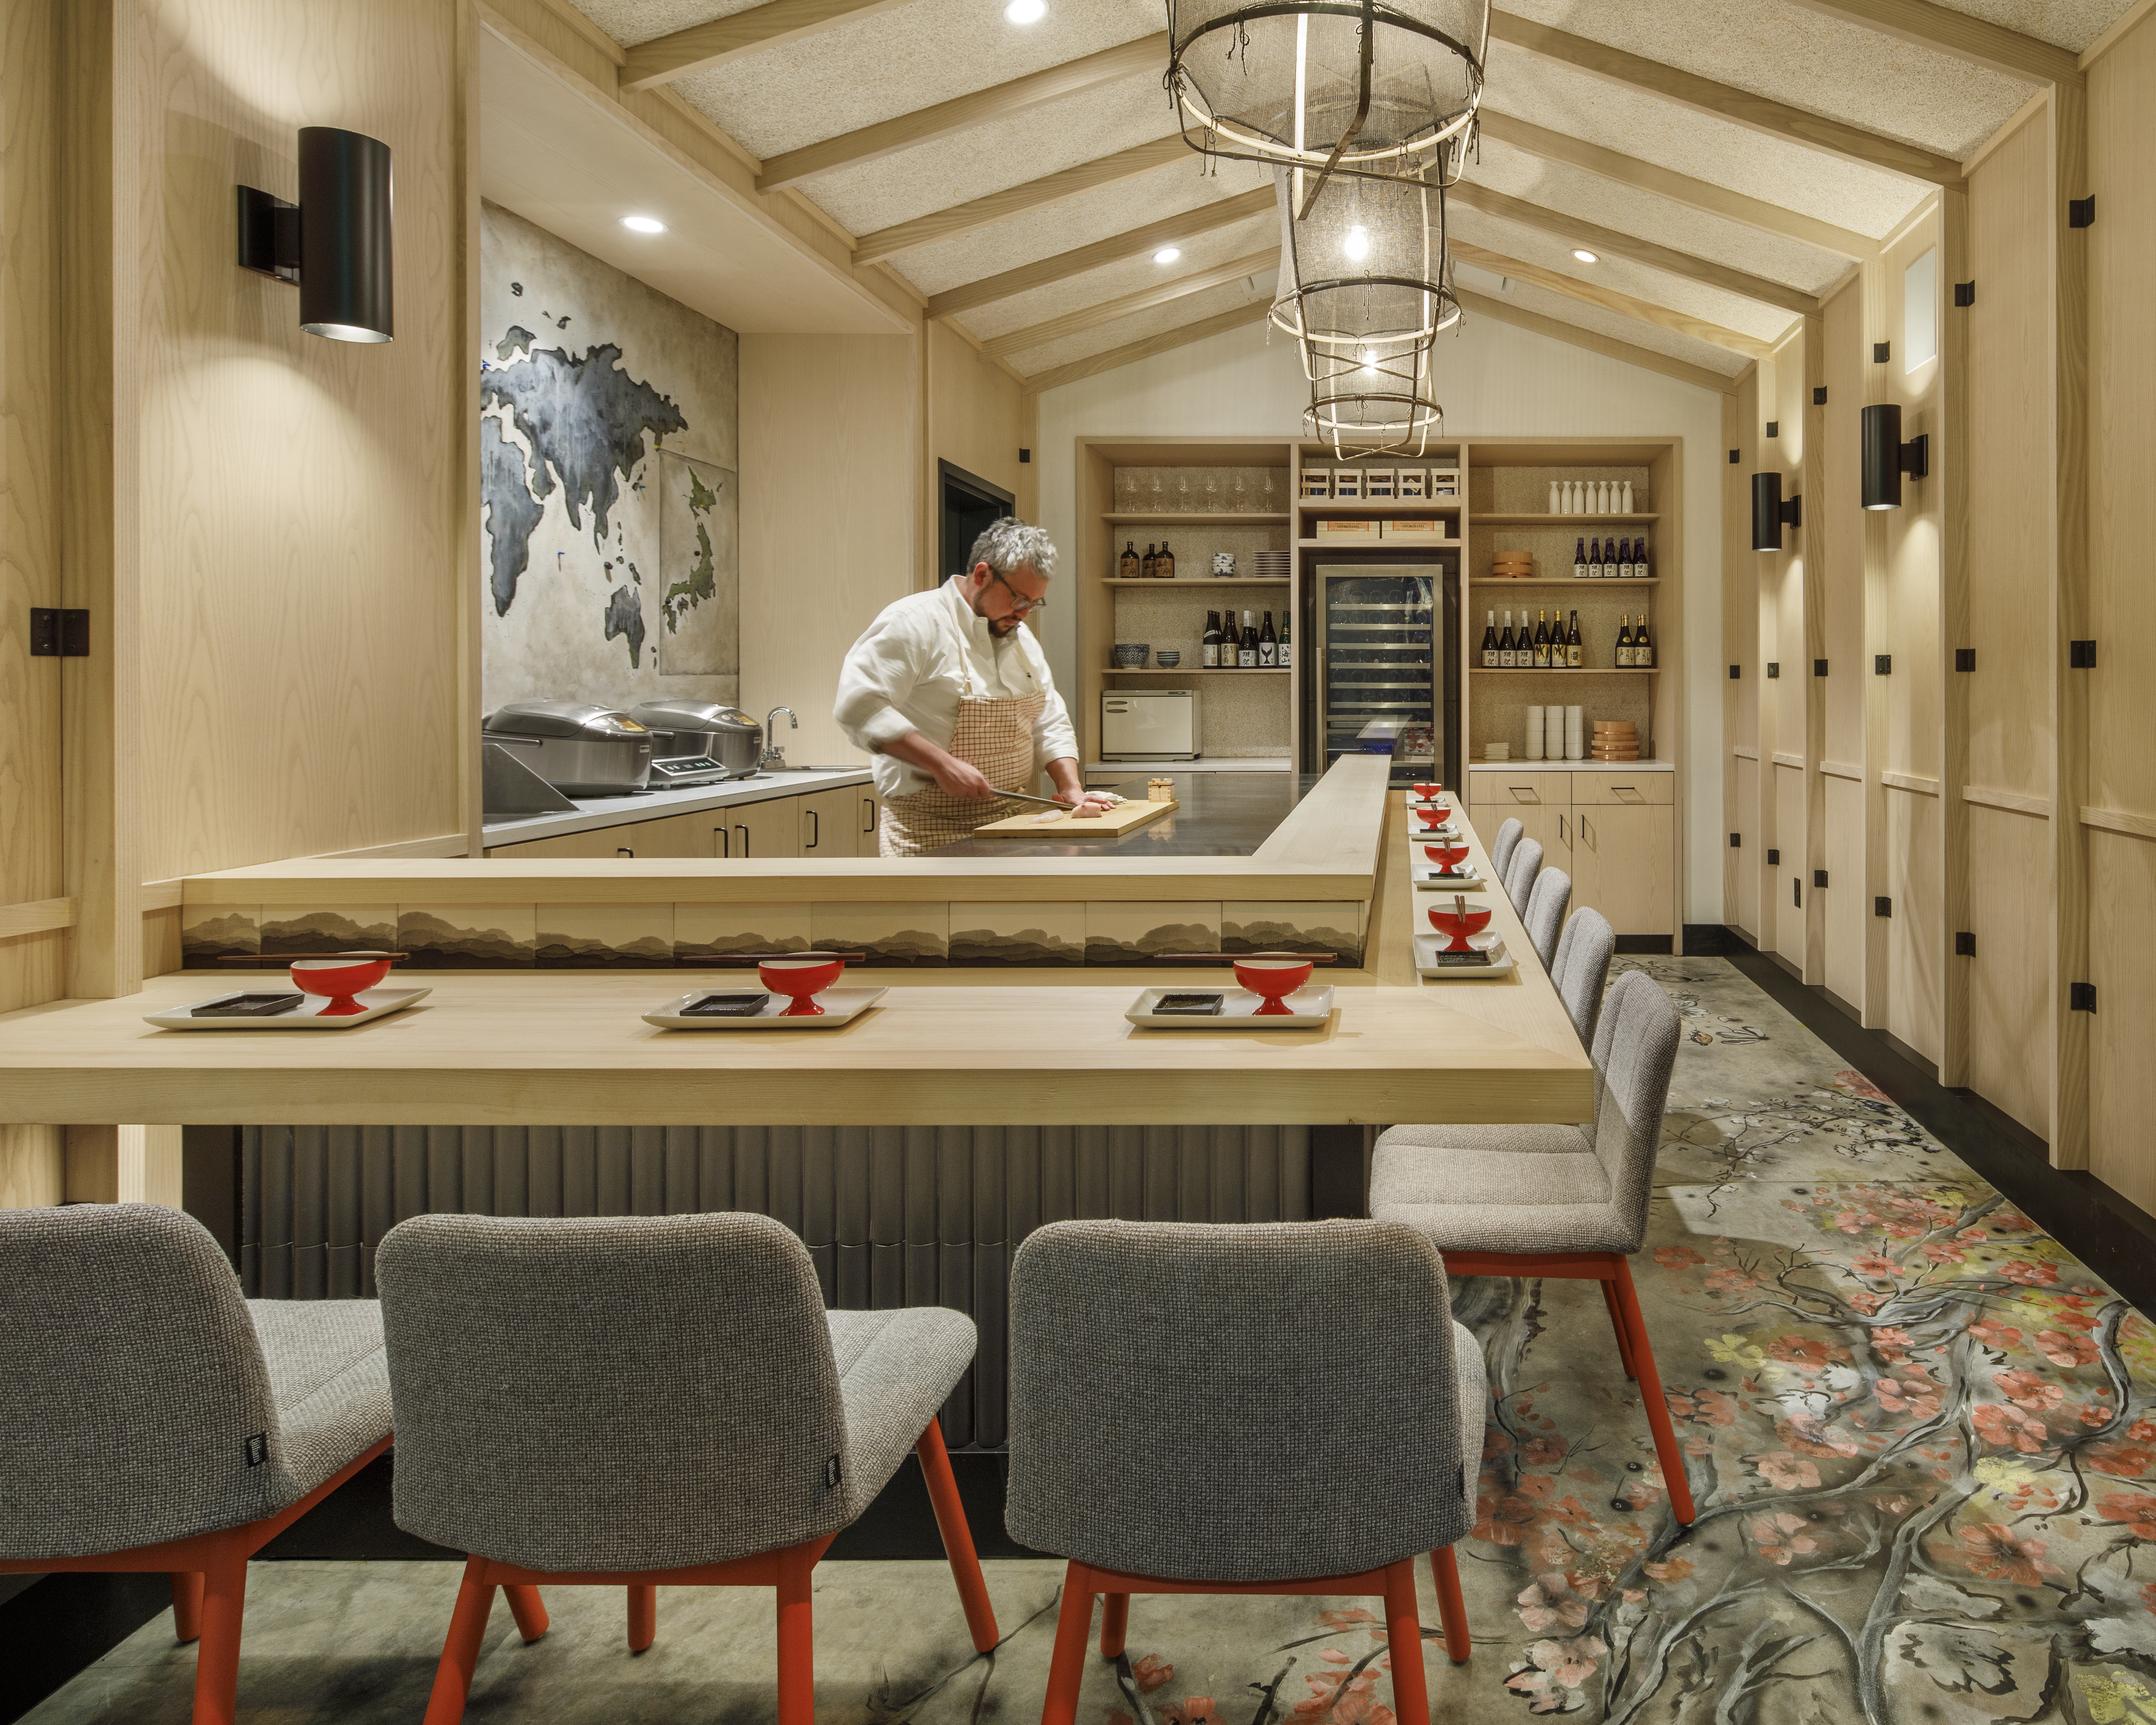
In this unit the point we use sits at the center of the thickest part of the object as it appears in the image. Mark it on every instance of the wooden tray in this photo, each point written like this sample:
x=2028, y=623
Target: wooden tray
x=1111, y=825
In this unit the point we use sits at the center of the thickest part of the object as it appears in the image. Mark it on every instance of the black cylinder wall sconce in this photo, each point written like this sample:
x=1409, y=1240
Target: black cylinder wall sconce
x=335, y=242
x=1886, y=458
x=1769, y=512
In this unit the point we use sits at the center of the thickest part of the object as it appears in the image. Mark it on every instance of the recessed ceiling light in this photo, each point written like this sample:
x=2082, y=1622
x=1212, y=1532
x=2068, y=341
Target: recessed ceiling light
x=1167, y=254
x=644, y=224
x=1026, y=12
x=1585, y=256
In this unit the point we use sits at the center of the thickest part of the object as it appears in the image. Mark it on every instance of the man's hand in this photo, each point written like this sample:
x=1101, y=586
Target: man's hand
x=1070, y=788
x=958, y=778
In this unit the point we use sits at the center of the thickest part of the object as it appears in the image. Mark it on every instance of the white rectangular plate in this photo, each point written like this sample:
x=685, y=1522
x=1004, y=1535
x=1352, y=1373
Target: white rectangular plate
x=841, y=1006
x=1426, y=964
x=1309, y=1007
x=1415, y=802
x=1449, y=834
x=379, y=1004
x=1428, y=880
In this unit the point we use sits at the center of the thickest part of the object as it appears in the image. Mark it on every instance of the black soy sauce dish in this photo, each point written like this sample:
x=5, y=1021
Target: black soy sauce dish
x=248, y=1006
x=1189, y=1005
x=727, y=1006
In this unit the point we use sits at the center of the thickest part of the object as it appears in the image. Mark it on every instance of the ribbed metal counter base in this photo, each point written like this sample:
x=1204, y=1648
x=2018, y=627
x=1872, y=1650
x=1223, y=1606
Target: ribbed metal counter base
x=892, y=1215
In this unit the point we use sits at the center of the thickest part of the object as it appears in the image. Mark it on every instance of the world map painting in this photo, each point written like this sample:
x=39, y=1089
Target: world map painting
x=608, y=485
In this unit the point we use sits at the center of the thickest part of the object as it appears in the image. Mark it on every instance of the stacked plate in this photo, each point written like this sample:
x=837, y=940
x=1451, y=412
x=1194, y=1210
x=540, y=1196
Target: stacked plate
x=1271, y=565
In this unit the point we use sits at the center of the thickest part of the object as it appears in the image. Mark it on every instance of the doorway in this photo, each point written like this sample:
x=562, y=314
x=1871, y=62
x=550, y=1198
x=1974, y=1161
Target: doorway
x=969, y=503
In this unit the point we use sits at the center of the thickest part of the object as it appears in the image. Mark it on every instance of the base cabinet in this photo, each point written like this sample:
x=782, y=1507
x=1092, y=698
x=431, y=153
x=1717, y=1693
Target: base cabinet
x=1614, y=835
x=831, y=822
x=757, y=830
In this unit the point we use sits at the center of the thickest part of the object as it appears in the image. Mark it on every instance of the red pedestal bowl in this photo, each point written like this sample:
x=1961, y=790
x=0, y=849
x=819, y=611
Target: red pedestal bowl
x=340, y=978
x=1428, y=792
x=1432, y=816
x=1448, y=857
x=1460, y=924
x=1275, y=976
x=803, y=976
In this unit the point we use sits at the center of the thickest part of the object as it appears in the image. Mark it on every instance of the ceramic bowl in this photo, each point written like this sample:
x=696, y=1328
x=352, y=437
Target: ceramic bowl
x=1167, y=659
x=1428, y=792
x=1275, y=977
x=1448, y=857
x=1459, y=926
x=1432, y=816
x=1130, y=655
x=803, y=976
x=340, y=978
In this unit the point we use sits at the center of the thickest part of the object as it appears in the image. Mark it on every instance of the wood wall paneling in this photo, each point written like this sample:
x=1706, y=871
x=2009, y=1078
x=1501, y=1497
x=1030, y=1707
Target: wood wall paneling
x=1916, y=951
x=1788, y=914
x=2122, y=893
x=831, y=490
x=973, y=420
x=2009, y=1052
x=1818, y=554
x=1745, y=910
x=1845, y=903
x=1954, y=386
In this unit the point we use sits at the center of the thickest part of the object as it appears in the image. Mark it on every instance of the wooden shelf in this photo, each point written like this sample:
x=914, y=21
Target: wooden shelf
x=1379, y=544
x=1571, y=581
x=1585, y=671
x=1484, y=519
x=1171, y=518
x=1403, y=508
x=1198, y=581
x=1206, y=670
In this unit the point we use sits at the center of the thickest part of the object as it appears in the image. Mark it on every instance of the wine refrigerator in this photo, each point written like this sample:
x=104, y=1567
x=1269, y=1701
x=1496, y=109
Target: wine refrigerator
x=1384, y=679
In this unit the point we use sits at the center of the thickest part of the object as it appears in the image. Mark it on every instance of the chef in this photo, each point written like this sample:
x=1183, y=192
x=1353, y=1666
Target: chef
x=954, y=698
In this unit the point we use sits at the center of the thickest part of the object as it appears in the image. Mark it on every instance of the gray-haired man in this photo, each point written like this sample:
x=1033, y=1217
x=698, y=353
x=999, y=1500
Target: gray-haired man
x=954, y=698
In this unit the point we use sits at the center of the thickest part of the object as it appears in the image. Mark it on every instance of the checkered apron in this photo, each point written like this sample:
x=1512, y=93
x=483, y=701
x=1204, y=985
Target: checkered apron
x=993, y=735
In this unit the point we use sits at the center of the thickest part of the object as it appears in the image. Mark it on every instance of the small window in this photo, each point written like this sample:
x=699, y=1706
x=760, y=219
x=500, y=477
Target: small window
x=1920, y=320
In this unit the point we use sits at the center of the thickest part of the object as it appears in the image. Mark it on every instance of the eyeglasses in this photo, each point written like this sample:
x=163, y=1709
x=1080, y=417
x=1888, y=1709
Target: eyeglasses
x=1019, y=602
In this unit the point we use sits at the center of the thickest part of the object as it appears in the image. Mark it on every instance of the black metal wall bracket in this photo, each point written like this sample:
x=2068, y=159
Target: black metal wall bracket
x=1774, y=668
x=1736, y=841
x=1819, y=396
x=1773, y=858
x=1734, y=456
x=1797, y=890
x=1964, y=659
x=1773, y=427
x=2081, y=997
x=1819, y=877
x=59, y=634
x=2080, y=212
x=1882, y=906
x=1881, y=351
x=1964, y=945
x=1736, y=671
x=1882, y=664
x=2081, y=656
x=1964, y=293
x=269, y=235
x=1819, y=667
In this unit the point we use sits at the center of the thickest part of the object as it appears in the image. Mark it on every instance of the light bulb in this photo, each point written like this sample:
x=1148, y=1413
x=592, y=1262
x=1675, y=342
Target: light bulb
x=644, y=224
x=1167, y=254
x=1585, y=256
x=1026, y=12
x=1357, y=245
x=1369, y=360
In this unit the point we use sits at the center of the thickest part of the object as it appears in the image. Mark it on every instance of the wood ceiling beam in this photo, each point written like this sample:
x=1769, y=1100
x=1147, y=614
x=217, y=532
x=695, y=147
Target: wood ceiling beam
x=1610, y=242
x=701, y=47
x=1976, y=40
x=1483, y=306
x=1152, y=347
x=1557, y=282
x=1134, y=242
x=902, y=131
x=1017, y=200
x=1160, y=293
x=1533, y=140
x=1761, y=114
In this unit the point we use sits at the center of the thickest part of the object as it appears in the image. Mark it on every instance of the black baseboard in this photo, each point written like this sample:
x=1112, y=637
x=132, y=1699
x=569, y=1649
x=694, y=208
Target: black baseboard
x=1647, y=945
x=1708, y=940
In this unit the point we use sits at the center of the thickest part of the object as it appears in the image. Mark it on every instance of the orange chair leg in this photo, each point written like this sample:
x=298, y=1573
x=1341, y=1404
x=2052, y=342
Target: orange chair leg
x=1624, y=1335
x=1650, y=1393
x=1066, y=1666
x=528, y=1609
x=1451, y=1608
x=958, y=1537
x=797, y=1639
x=643, y=1616
x=453, y=1677
x=186, y=1604
x=217, y=1662
x=1404, y=1635
x=1115, y=1624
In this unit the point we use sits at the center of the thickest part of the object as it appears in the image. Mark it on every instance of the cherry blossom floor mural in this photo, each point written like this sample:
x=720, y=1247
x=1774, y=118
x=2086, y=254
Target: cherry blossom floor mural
x=1920, y=1433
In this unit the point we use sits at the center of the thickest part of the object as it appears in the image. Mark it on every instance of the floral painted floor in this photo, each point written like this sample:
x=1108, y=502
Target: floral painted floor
x=1921, y=1434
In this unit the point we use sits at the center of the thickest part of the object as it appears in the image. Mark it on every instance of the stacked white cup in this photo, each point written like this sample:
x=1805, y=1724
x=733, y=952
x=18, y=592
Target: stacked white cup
x=1535, y=734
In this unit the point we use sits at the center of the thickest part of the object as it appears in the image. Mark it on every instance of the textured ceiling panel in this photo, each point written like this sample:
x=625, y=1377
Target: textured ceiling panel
x=1136, y=328
x=1114, y=280
x=1867, y=199
x=1057, y=228
x=630, y=21
x=1607, y=203
x=1677, y=293
x=2065, y=23
x=1805, y=59
x=989, y=158
x=1650, y=335
x=894, y=62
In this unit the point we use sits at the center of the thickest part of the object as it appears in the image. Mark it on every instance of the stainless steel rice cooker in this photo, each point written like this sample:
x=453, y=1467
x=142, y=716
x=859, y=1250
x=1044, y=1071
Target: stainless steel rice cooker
x=581, y=749
x=707, y=727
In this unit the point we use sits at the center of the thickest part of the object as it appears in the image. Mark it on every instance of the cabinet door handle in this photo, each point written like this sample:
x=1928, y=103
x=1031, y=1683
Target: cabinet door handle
x=815, y=830
x=1586, y=832
x=744, y=831
x=1521, y=793
x=722, y=842
x=1626, y=791
x=1561, y=838
x=868, y=815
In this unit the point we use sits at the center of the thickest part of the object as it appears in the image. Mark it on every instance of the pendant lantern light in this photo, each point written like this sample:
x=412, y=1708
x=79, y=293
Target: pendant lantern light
x=1364, y=291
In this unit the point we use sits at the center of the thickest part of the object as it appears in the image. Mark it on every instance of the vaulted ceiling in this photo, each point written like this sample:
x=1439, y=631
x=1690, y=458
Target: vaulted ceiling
x=1728, y=159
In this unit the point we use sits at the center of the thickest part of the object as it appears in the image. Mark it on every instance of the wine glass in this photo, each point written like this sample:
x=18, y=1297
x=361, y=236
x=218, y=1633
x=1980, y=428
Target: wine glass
x=1159, y=502
x=1126, y=491
x=1182, y=493
x=1213, y=493
x=1242, y=494
x=1268, y=490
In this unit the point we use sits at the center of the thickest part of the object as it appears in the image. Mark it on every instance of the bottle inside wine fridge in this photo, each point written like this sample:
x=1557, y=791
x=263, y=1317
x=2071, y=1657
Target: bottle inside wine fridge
x=1282, y=657
x=1246, y=651
x=1489, y=640
x=1127, y=568
x=1211, y=643
x=1268, y=644
x=1385, y=677
x=1572, y=658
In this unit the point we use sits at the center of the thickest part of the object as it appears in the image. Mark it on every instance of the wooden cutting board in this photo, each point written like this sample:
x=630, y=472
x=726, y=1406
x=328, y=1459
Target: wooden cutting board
x=1111, y=825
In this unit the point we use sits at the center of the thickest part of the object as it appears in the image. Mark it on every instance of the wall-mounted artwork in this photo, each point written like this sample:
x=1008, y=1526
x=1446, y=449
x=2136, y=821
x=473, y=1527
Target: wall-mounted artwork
x=609, y=508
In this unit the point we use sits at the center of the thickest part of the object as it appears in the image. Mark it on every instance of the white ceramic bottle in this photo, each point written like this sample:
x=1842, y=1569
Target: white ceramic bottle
x=1628, y=497
x=1555, y=499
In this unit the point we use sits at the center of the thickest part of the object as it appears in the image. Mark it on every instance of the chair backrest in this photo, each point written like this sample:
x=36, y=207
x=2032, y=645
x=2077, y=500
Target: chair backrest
x=135, y=1404
x=1544, y=916
x=1520, y=877
x=1635, y=1049
x=1583, y=967
x=1175, y=1407
x=1501, y=853
x=611, y=1393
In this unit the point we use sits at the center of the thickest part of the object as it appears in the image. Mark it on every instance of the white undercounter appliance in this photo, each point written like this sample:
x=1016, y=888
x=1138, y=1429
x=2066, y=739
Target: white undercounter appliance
x=1149, y=724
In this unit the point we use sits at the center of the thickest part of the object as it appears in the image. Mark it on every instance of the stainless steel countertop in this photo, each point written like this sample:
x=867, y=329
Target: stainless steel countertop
x=1222, y=814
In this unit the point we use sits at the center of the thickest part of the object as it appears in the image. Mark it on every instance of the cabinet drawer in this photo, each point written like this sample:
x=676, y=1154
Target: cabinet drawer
x=1624, y=790
x=1521, y=790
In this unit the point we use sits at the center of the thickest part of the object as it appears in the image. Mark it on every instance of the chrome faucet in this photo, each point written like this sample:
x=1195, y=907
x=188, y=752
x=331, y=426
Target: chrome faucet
x=774, y=756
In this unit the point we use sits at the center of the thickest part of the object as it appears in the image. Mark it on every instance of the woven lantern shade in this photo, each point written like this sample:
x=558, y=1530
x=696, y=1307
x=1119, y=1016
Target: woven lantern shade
x=1364, y=291
x=1347, y=86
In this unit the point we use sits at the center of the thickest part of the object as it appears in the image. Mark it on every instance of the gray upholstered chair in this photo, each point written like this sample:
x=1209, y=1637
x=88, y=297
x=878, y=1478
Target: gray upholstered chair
x=1501, y=853
x=1562, y=1201
x=1547, y=899
x=153, y=1420
x=1582, y=969
x=1168, y=1435
x=1519, y=876
x=634, y=1401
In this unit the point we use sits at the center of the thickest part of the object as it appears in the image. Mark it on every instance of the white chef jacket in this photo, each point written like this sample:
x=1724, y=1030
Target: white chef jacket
x=904, y=674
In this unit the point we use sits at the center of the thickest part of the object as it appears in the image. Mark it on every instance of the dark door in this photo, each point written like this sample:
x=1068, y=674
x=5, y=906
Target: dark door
x=970, y=503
